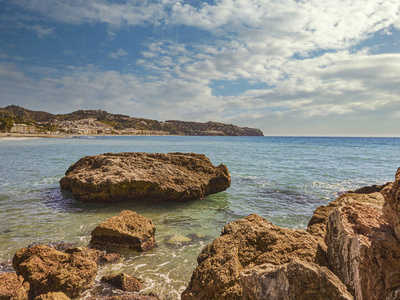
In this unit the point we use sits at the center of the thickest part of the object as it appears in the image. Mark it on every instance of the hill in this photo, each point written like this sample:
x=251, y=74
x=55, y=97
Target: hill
x=102, y=122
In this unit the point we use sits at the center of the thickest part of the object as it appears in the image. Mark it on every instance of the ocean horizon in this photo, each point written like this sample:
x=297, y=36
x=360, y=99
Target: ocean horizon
x=281, y=178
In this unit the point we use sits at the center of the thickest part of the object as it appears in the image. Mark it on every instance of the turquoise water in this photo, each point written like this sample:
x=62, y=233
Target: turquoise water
x=280, y=178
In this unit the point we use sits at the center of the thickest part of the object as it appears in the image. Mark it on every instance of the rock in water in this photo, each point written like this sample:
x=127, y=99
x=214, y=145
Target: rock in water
x=295, y=280
x=123, y=282
x=363, y=251
x=49, y=270
x=244, y=244
x=144, y=176
x=128, y=230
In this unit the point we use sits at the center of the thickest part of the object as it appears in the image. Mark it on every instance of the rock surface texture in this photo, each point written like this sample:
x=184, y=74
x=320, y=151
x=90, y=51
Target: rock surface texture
x=144, y=176
x=127, y=230
x=123, y=282
x=317, y=223
x=363, y=251
x=49, y=270
x=53, y=296
x=244, y=244
x=295, y=280
x=12, y=287
x=391, y=209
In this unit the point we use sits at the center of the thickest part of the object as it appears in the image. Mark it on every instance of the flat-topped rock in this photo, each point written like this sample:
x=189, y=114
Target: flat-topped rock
x=126, y=230
x=114, y=177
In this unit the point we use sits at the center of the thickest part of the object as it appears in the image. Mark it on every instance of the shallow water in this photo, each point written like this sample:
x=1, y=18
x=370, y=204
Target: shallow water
x=280, y=178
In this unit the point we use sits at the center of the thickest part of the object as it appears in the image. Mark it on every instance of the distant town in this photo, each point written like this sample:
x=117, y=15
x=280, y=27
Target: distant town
x=15, y=119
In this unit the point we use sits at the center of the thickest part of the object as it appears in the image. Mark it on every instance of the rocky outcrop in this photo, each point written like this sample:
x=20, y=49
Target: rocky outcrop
x=49, y=270
x=295, y=280
x=123, y=282
x=244, y=244
x=317, y=224
x=370, y=189
x=53, y=296
x=128, y=230
x=363, y=251
x=391, y=209
x=13, y=287
x=144, y=177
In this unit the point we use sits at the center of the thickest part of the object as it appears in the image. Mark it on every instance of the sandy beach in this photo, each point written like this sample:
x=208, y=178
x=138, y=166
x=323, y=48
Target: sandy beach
x=32, y=135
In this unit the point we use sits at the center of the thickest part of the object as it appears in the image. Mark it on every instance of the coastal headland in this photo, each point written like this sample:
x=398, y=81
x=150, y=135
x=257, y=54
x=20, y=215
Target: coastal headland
x=18, y=120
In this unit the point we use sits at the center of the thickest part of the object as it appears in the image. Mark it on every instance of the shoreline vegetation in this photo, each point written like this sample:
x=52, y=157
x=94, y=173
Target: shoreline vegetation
x=15, y=119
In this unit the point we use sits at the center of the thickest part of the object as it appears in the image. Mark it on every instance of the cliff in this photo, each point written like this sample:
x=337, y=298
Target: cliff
x=87, y=122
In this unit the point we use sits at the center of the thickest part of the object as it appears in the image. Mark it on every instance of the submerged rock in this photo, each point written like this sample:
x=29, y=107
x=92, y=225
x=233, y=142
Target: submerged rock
x=363, y=251
x=13, y=287
x=295, y=280
x=49, y=270
x=144, y=176
x=244, y=244
x=128, y=230
x=123, y=282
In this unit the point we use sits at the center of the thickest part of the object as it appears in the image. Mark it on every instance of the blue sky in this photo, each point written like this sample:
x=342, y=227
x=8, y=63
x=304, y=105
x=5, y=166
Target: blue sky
x=287, y=67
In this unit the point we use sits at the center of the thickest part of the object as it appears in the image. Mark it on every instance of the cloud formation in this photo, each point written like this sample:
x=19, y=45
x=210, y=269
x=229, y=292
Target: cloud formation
x=310, y=67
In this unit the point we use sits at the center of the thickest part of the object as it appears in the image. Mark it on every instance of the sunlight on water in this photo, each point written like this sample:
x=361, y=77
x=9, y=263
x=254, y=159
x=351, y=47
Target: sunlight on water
x=281, y=179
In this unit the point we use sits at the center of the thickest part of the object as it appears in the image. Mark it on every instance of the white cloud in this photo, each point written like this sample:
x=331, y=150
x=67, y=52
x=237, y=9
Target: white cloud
x=118, y=54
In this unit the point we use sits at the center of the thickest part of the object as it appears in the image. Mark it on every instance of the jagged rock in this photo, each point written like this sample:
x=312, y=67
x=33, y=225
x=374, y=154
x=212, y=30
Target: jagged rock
x=244, y=244
x=12, y=287
x=144, y=176
x=49, y=270
x=295, y=280
x=363, y=251
x=371, y=189
x=123, y=282
x=53, y=296
x=128, y=229
x=317, y=224
x=391, y=208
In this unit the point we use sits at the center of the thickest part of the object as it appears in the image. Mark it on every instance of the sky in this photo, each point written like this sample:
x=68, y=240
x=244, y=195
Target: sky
x=287, y=67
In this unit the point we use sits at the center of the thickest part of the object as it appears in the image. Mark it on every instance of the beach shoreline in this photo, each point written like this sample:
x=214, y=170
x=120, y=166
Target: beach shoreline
x=32, y=135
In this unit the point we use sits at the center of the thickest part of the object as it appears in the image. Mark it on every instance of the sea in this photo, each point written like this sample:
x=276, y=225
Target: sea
x=283, y=179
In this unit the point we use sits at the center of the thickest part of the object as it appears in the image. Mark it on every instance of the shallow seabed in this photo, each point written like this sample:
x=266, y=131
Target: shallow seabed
x=283, y=179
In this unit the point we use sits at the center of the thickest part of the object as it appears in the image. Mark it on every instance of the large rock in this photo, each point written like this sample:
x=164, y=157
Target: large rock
x=295, y=280
x=244, y=244
x=317, y=224
x=123, y=282
x=145, y=176
x=363, y=251
x=12, y=287
x=49, y=270
x=128, y=230
x=391, y=209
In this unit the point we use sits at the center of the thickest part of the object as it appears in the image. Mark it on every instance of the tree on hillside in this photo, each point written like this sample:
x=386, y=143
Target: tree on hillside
x=6, y=124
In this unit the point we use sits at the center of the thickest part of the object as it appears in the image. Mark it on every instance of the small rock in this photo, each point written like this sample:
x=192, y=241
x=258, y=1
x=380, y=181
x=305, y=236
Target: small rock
x=128, y=230
x=123, y=282
x=178, y=239
x=53, y=296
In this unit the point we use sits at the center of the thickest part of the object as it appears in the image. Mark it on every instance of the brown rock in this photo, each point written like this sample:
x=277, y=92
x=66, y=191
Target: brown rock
x=100, y=257
x=295, y=280
x=128, y=229
x=371, y=189
x=53, y=296
x=363, y=251
x=391, y=208
x=49, y=270
x=244, y=244
x=317, y=224
x=144, y=176
x=12, y=287
x=123, y=282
